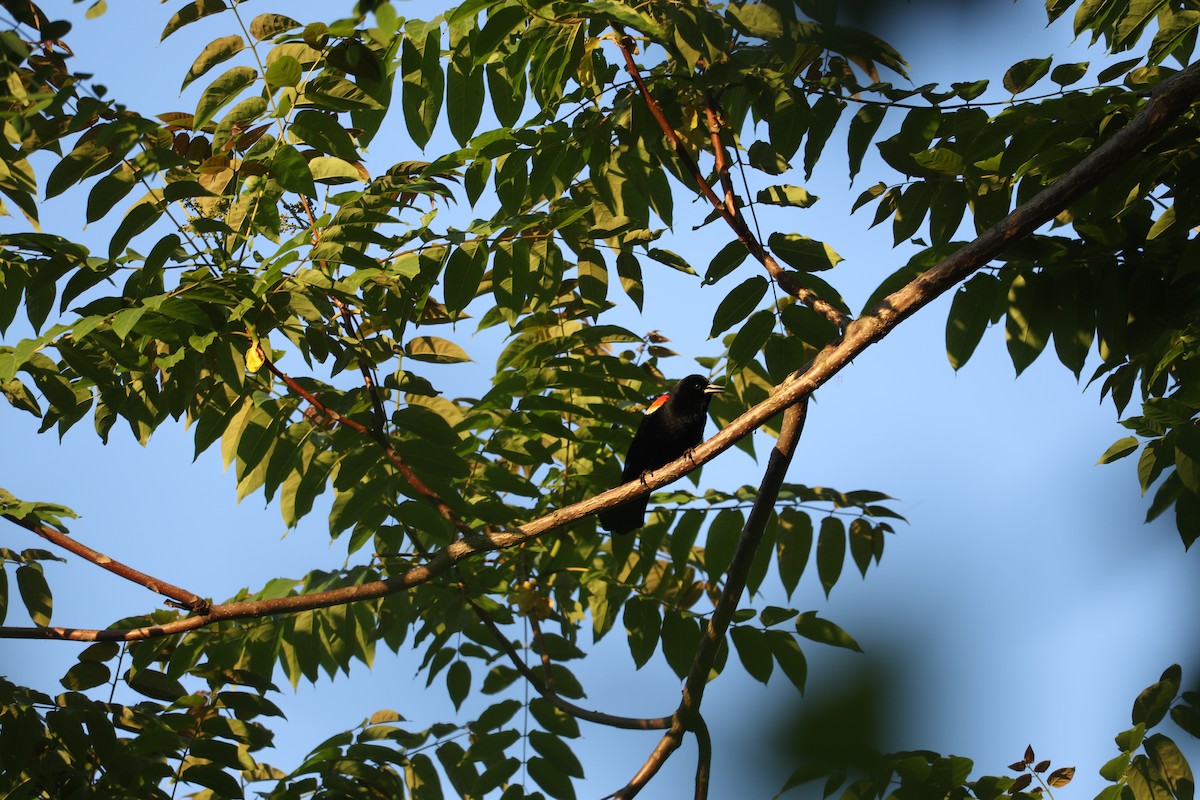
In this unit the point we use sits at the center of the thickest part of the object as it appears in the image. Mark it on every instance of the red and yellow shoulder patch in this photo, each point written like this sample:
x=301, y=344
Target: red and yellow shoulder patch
x=657, y=404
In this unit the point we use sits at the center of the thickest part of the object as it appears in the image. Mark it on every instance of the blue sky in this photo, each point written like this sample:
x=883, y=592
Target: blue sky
x=1024, y=603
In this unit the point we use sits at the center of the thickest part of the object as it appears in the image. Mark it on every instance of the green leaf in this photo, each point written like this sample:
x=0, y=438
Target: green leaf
x=435, y=350
x=759, y=20
x=458, y=682
x=1119, y=449
x=335, y=93
x=221, y=92
x=911, y=211
x=863, y=126
x=727, y=259
x=750, y=340
x=773, y=615
x=788, y=122
x=803, y=253
x=831, y=552
x=738, y=304
x=722, y=541
x=138, y=219
x=680, y=638
x=1114, y=769
x=672, y=260
x=464, y=272
x=556, y=752
x=825, y=114
x=785, y=195
x=191, y=12
x=753, y=648
x=322, y=132
x=213, y=777
x=423, y=86
x=496, y=715
x=629, y=270
x=593, y=277
x=862, y=544
x=970, y=313
x=284, y=71
x=1029, y=320
x=125, y=319
x=264, y=26
x=155, y=685
x=497, y=28
x=794, y=546
x=84, y=160
x=86, y=675
x=551, y=778
x=333, y=171
x=1023, y=74
x=946, y=211
x=109, y=191
x=762, y=156
x=1067, y=74
x=1152, y=704
x=214, y=53
x=1074, y=325
x=810, y=626
x=290, y=170
x=35, y=593
x=642, y=626
x=790, y=657
x=942, y=160
x=1172, y=766
x=1145, y=782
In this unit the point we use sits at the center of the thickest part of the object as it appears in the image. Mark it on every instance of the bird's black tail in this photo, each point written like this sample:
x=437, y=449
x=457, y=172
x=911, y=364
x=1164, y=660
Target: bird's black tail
x=627, y=517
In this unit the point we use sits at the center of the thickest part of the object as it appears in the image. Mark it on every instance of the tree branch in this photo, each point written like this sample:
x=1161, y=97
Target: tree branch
x=727, y=208
x=380, y=437
x=1168, y=100
x=687, y=716
x=180, y=598
x=703, y=757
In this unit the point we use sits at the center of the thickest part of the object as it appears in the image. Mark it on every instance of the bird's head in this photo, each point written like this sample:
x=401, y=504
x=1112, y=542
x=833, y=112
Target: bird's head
x=696, y=389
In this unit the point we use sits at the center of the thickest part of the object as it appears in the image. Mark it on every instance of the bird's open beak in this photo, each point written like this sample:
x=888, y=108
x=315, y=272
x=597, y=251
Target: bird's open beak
x=714, y=388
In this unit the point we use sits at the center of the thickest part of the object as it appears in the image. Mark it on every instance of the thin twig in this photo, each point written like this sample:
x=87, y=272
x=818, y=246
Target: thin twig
x=546, y=691
x=380, y=437
x=726, y=208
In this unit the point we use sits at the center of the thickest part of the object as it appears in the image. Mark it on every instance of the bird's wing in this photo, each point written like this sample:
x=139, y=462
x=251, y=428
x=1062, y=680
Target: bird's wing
x=643, y=450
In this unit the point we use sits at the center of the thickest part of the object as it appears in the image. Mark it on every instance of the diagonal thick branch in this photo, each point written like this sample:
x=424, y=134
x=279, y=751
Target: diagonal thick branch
x=1167, y=102
x=687, y=716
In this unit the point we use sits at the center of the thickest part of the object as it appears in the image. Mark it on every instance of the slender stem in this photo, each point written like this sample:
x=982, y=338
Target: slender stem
x=379, y=436
x=545, y=689
x=726, y=208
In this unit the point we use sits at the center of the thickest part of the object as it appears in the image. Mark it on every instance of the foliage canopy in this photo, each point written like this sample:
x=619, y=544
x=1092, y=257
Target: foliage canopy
x=294, y=302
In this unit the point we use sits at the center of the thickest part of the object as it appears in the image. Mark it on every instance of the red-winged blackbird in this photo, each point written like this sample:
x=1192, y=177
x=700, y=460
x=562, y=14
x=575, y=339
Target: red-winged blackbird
x=673, y=424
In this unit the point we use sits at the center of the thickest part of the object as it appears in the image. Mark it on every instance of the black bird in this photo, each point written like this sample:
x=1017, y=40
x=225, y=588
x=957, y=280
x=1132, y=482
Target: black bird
x=673, y=424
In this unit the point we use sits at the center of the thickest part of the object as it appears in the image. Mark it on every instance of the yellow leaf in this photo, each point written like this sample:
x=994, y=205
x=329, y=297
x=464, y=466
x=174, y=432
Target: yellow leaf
x=255, y=358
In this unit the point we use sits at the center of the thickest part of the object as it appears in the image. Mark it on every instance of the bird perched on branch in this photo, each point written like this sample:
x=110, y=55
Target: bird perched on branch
x=672, y=425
